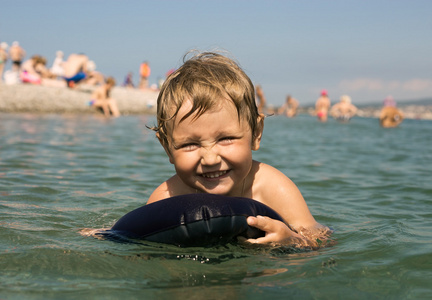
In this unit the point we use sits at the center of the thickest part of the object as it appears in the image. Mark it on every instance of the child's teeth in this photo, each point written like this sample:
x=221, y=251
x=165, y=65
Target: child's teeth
x=215, y=175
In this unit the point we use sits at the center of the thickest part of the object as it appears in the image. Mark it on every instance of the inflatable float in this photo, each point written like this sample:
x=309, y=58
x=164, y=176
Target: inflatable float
x=193, y=220
x=27, y=77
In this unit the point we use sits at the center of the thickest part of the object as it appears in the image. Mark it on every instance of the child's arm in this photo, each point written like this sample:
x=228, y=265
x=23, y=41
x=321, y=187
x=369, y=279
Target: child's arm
x=276, y=190
x=161, y=192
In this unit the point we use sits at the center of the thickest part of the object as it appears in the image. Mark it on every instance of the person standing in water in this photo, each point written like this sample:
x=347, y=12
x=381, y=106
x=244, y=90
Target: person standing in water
x=290, y=107
x=390, y=116
x=344, y=110
x=261, y=99
x=322, y=106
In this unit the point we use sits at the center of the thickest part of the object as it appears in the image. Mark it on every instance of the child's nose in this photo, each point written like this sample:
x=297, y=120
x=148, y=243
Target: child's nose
x=210, y=157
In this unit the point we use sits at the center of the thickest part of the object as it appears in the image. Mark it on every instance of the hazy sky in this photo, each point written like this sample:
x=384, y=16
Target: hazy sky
x=366, y=49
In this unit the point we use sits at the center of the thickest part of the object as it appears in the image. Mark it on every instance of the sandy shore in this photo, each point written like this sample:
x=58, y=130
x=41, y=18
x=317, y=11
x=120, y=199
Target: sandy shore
x=44, y=99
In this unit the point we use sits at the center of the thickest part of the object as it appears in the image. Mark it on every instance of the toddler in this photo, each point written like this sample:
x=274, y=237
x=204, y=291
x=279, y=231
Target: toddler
x=208, y=123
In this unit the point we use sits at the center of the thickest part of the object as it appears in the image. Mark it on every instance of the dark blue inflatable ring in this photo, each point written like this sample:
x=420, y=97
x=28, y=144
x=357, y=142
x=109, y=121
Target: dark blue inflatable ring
x=194, y=220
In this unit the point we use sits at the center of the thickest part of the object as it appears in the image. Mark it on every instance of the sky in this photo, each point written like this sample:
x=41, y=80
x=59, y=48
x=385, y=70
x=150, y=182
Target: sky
x=367, y=49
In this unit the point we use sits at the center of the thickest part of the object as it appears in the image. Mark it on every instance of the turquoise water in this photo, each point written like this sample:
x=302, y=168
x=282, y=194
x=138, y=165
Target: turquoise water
x=59, y=174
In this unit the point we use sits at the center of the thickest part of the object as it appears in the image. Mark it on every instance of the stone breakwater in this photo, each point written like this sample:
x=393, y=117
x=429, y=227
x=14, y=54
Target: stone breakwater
x=43, y=99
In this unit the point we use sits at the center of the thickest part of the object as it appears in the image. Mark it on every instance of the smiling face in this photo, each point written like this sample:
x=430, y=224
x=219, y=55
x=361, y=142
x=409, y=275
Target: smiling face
x=212, y=153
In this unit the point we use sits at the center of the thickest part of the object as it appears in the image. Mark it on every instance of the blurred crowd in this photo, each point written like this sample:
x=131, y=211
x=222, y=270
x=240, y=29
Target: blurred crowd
x=69, y=71
x=78, y=69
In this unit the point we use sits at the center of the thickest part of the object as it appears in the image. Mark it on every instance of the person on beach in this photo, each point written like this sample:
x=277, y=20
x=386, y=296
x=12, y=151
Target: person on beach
x=208, y=124
x=101, y=99
x=290, y=107
x=145, y=72
x=93, y=77
x=16, y=54
x=57, y=67
x=390, y=116
x=3, y=58
x=322, y=106
x=128, y=81
x=344, y=110
x=34, y=70
x=75, y=69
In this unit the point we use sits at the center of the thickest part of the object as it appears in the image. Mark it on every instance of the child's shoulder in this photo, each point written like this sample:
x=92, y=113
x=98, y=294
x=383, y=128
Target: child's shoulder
x=263, y=168
x=170, y=188
x=272, y=187
x=268, y=175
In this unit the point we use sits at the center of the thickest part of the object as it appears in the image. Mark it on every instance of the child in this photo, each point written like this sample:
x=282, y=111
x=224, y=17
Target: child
x=208, y=124
x=101, y=99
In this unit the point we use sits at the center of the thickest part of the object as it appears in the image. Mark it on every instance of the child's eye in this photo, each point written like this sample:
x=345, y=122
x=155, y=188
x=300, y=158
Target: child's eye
x=188, y=146
x=227, y=140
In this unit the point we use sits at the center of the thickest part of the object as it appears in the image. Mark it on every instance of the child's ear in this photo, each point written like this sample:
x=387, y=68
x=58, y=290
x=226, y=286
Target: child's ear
x=165, y=146
x=258, y=133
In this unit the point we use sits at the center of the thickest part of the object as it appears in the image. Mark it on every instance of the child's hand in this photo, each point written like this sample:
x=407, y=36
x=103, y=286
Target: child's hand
x=275, y=231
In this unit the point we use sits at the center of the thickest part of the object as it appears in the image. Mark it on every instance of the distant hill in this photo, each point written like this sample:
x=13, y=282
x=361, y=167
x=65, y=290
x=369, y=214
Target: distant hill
x=426, y=101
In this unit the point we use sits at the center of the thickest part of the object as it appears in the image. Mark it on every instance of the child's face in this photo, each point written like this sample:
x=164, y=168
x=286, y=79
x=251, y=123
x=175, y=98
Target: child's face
x=212, y=154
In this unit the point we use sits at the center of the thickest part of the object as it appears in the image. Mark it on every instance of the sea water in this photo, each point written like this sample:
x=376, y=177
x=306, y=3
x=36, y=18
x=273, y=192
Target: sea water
x=62, y=173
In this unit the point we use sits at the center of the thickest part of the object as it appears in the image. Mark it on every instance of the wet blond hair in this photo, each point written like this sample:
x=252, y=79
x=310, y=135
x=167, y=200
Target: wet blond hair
x=206, y=79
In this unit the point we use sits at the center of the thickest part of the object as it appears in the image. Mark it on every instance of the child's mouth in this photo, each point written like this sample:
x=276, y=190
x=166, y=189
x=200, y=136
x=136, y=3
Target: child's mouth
x=214, y=174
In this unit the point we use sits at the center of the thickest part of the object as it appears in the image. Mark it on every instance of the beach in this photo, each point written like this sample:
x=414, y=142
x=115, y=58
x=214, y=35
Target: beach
x=52, y=99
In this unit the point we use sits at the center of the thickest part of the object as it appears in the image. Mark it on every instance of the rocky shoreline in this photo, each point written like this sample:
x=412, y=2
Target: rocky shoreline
x=52, y=99
x=45, y=99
